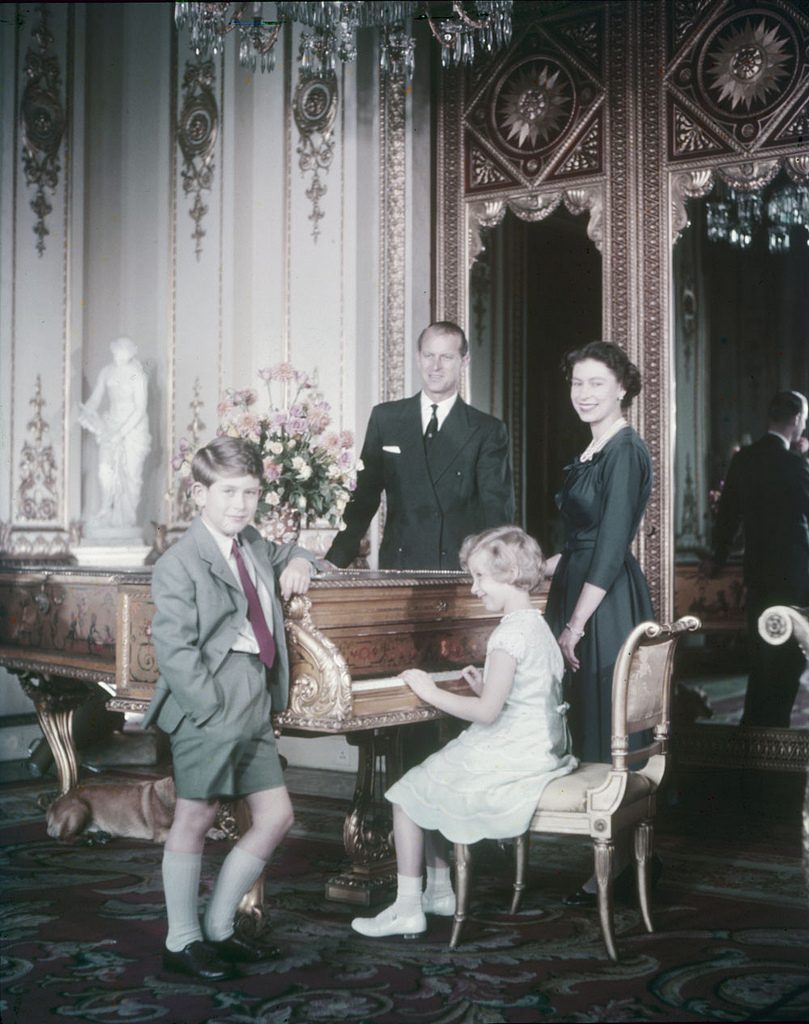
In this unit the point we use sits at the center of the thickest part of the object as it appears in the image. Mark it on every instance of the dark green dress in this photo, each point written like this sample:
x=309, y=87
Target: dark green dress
x=602, y=502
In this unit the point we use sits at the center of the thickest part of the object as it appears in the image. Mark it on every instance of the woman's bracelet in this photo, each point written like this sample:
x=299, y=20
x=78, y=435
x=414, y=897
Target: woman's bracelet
x=576, y=632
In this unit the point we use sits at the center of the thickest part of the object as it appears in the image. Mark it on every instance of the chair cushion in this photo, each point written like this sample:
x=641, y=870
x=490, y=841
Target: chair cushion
x=570, y=792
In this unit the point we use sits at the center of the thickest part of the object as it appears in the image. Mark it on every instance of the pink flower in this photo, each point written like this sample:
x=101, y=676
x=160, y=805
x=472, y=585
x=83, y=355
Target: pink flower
x=278, y=420
x=331, y=441
x=265, y=373
x=225, y=408
x=272, y=471
x=285, y=372
x=346, y=439
x=248, y=425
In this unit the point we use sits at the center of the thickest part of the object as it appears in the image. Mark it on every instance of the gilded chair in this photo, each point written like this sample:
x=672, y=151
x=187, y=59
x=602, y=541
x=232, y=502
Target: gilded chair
x=605, y=801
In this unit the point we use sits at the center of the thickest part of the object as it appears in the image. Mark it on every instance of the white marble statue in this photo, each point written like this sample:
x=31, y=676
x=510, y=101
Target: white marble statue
x=122, y=433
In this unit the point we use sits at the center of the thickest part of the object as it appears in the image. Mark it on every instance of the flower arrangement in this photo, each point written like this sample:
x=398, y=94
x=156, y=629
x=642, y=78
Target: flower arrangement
x=308, y=469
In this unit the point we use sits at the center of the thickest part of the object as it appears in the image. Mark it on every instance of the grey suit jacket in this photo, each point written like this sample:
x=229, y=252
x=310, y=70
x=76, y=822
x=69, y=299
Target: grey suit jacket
x=199, y=611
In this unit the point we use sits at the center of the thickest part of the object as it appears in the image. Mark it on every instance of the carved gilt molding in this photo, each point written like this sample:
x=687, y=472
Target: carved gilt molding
x=197, y=132
x=392, y=242
x=43, y=120
x=37, y=492
x=314, y=107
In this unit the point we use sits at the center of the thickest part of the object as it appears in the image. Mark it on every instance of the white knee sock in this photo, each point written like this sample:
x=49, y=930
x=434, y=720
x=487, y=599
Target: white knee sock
x=438, y=881
x=408, y=894
x=239, y=871
x=181, y=886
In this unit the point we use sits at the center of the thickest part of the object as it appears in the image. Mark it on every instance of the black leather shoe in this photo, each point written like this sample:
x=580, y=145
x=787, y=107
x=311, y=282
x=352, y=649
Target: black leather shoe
x=580, y=898
x=239, y=950
x=200, y=960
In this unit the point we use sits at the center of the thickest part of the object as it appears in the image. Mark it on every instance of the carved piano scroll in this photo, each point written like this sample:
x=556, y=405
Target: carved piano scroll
x=322, y=680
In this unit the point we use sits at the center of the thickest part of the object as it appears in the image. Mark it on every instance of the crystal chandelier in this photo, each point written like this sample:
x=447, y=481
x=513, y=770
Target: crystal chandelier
x=462, y=28
x=735, y=214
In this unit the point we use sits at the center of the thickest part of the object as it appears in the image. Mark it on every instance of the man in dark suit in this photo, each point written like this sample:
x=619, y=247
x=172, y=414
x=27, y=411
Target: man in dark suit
x=767, y=492
x=444, y=467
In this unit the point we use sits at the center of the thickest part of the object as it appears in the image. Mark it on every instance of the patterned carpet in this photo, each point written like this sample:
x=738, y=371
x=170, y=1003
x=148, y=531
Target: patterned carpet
x=83, y=928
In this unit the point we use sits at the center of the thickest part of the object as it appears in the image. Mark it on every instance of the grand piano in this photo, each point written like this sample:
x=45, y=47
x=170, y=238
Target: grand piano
x=65, y=630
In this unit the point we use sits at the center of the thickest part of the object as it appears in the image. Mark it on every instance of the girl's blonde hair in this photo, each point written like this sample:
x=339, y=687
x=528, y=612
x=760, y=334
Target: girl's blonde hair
x=512, y=556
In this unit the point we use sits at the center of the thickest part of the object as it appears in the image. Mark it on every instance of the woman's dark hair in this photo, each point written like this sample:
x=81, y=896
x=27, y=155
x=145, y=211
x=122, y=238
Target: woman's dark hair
x=614, y=358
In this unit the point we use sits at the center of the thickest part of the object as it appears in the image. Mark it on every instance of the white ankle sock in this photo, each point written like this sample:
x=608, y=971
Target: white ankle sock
x=408, y=894
x=438, y=881
x=181, y=886
x=239, y=871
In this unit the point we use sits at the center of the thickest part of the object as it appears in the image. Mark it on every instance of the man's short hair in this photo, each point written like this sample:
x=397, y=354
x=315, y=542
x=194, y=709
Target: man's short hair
x=226, y=456
x=445, y=327
x=785, y=406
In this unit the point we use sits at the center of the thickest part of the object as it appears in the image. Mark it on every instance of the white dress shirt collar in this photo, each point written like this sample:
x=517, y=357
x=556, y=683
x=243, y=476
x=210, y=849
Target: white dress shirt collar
x=443, y=409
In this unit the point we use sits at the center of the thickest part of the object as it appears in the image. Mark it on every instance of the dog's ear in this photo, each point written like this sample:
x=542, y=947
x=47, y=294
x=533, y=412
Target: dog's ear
x=67, y=817
x=166, y=792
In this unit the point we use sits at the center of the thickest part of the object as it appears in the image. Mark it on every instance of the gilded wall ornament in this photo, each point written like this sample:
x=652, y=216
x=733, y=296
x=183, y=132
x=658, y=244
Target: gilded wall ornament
x=37, y=493
x=186, y=507
x=197, y=131
x=736, y=77
x=42, y=118
x=314, y=107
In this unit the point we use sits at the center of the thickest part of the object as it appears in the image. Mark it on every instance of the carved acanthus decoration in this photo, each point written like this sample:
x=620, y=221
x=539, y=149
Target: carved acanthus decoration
x=536, y=207
x=37, y=493
x=586, y=156
x=797, y=167
x=685, y=15
x=197, y=131
x=749, y=177
x=320, y=678
x=689, y=137
x=483, y=170
x=42, y=118
x=314, y=107
x=687, y=185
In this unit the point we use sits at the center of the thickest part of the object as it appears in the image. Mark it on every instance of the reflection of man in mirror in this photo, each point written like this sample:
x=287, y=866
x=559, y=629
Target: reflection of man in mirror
x=122, y=433
x=767, y=493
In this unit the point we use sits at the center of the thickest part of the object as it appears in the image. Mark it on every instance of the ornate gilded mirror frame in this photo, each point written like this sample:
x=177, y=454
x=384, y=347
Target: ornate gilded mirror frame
x=554, y=120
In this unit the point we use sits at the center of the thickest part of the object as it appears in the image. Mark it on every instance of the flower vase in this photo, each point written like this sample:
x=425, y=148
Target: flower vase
x=283, y=526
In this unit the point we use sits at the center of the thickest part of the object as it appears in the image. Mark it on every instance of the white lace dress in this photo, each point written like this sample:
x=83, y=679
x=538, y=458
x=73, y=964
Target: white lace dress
x=485, y=783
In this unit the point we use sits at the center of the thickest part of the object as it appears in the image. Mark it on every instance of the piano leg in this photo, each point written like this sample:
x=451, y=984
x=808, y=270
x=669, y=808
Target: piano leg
x=55, y=700
x=367, y=827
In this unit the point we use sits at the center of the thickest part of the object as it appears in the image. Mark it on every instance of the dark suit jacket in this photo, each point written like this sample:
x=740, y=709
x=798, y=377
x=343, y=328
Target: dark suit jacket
x=767, y=492
x=465, y=488
x=199, y=611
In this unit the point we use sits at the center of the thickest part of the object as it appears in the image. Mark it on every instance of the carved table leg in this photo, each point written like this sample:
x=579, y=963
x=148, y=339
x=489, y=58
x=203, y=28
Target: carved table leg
x=366, y=831
x=55, y=701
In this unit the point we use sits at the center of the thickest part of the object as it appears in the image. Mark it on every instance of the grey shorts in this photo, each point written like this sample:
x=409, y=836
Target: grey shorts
x=234, y=753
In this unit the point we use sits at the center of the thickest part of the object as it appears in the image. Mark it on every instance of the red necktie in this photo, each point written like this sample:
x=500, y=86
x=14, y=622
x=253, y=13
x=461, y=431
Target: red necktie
x=255, y=614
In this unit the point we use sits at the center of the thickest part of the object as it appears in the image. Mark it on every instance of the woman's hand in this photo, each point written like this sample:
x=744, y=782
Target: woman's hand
x=567, y=645
x=549, y=566
x=420, y=683
x=474, y=677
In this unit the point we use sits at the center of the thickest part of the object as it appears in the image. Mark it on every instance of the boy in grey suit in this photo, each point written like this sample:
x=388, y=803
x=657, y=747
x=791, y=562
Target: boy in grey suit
x=218, y=632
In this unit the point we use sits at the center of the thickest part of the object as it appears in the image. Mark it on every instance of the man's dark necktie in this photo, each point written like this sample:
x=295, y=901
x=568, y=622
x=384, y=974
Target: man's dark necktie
x=432, y=426
x=255, y=613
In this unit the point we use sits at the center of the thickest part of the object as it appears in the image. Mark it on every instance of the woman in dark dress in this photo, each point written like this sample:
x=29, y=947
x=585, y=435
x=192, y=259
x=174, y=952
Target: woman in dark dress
x=598, y=592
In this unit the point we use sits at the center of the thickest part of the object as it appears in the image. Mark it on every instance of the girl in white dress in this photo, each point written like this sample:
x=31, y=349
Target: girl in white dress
x=486, y=783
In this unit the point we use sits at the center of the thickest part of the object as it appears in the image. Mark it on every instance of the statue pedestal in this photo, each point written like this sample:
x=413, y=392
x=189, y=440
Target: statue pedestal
x=114, y=556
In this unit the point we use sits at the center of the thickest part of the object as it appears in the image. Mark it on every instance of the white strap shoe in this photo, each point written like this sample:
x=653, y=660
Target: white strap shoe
x=390, y=922
x=442, y=904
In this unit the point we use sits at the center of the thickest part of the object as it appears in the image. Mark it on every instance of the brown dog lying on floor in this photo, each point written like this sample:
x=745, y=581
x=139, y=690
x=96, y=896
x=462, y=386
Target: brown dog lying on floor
x=134, y=810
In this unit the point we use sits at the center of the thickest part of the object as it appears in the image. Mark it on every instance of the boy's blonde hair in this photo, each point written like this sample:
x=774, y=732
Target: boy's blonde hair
x=512, y=556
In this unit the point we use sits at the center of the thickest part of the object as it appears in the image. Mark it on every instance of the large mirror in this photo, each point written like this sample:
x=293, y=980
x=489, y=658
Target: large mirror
x=521, y=319
x=740, y=309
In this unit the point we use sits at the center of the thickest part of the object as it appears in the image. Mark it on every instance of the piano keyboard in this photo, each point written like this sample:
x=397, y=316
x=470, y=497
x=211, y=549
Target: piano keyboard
x=378, y=696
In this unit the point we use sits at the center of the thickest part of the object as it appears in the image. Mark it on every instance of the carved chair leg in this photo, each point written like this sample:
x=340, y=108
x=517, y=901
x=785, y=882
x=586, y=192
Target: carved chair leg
x=603, y=853
x=521, y=844
x=463, y=864
x=644, y=844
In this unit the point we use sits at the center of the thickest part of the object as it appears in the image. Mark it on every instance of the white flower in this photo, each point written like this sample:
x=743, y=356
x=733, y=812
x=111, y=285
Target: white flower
x=359, y=465
x=273, y=499
x=301, y=502
x=304, y=472
x=275, y=447
x=333, y=471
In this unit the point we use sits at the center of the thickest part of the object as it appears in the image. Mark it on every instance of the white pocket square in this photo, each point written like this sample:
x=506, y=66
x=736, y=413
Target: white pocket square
x=393, y=448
